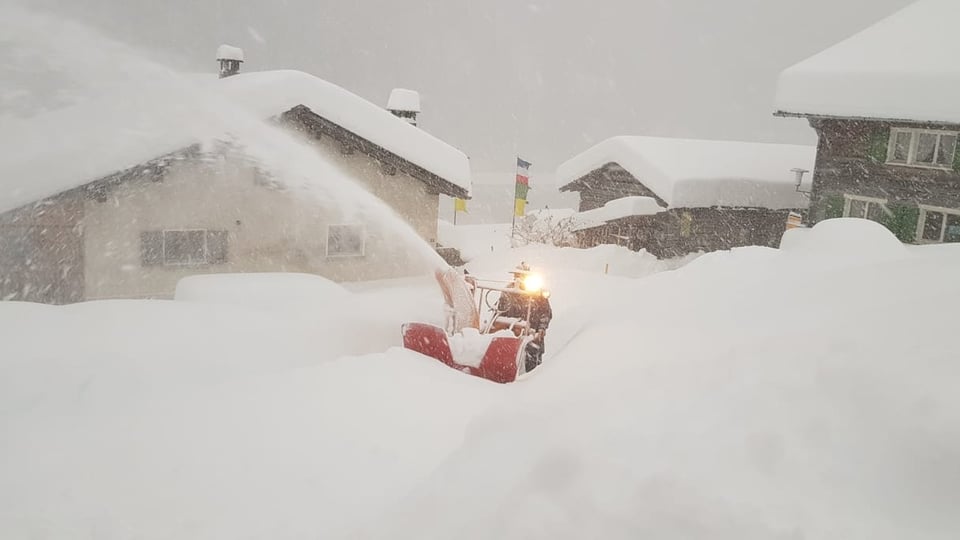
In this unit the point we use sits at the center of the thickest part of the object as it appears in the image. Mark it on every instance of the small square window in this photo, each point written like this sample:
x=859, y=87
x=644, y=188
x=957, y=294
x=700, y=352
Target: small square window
x=875, y=212
x=932, y=226
x=686, y=224
x=184, y=247
x=345, y=240
x=217, y=247
x=901, y=146
x=926, y=148
x=858, y=208
x=952, y=232
x=946, y=150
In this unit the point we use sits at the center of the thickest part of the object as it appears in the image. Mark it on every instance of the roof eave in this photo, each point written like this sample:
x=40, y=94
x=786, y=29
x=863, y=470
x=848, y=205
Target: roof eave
x=789, y=114
x=305, y=114
x=570, y=186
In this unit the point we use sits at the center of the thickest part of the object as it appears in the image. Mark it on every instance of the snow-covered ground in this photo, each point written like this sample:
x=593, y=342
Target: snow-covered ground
x=807, y=392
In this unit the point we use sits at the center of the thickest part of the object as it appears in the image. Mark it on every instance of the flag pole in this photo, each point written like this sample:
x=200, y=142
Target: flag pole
x=513, y=216
x=513, y=222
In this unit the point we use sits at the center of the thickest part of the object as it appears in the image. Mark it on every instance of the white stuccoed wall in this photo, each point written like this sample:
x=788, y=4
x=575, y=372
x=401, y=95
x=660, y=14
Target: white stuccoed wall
x=269, y=230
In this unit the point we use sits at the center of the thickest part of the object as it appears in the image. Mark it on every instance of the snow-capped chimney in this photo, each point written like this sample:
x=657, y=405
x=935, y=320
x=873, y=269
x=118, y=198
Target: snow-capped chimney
x=404, y=104
x=230, y=59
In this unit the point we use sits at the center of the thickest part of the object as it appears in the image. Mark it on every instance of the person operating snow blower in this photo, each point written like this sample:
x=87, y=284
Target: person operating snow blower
x=524, y=299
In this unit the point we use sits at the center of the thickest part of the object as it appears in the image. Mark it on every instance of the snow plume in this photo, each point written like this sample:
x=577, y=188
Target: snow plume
x=131, y=106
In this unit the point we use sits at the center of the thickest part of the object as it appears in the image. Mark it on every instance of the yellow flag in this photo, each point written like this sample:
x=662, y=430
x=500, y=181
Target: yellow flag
x=459, y=205
x=519, y=205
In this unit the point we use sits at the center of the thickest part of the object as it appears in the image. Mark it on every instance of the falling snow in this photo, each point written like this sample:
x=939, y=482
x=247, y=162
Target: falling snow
x=203, y=280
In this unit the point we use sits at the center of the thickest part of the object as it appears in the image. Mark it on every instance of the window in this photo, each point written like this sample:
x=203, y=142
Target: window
x=865, y=207
x=686, y=224
x=184, y=247
x=345, y=240
x=922, y=148
x=938, y=225
x=189, y=247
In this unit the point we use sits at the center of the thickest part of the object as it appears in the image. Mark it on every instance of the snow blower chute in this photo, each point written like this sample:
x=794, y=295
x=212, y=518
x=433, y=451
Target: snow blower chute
x=504, y=344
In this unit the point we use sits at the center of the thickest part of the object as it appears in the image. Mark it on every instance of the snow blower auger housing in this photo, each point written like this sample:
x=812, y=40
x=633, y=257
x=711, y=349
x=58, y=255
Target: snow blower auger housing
x=500, y=346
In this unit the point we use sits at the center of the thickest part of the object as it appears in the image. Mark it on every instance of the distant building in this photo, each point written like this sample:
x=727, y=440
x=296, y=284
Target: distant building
x=672, y=197
x=884, y=105
x=404, y=104
x=93, y=217
x=229, y=58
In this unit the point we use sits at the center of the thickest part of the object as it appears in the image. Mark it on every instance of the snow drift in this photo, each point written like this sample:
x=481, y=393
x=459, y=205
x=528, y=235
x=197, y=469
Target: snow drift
x=807, y=393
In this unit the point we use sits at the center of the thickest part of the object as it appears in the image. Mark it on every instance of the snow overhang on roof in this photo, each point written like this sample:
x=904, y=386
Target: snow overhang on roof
x=701, y=173
x=617, y=209
x=44, y=156
x=229, y=52
x=272, y=92
x=902, y=68
x=405, y=100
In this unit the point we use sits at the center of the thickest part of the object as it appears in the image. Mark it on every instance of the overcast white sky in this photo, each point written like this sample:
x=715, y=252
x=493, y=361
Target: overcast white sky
x=542, y=78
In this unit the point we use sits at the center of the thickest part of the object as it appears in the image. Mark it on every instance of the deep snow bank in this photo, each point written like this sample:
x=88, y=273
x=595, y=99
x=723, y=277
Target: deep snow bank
x=807, y=393
x=803, y=393
x=284, y=291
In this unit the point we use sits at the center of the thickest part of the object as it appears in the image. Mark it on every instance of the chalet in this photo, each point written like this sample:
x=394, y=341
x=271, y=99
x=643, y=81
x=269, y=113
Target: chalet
x=884, y=106
x=672, y=197
x=118, y=199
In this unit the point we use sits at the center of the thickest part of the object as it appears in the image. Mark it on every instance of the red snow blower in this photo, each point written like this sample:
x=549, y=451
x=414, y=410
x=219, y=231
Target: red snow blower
x=501, y=346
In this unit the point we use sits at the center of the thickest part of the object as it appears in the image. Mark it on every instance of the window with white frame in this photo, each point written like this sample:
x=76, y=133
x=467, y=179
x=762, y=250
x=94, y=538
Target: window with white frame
x=345, y=240
x=938, y=225
x=183, y=247
x=865, y=207
x=922, y=148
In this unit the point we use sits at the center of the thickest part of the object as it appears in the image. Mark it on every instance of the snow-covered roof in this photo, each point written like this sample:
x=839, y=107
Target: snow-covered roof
x=66, y=148
x=902, y=68
x=229, y=52
x=617, y=209
x=701, y=173
x=402, y=99
x=272, y=92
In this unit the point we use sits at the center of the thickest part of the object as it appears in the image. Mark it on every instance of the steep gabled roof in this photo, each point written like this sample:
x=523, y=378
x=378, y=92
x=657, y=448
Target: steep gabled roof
x=902, y=68
x=67, y=148
x=700, y=173
x=272, y=92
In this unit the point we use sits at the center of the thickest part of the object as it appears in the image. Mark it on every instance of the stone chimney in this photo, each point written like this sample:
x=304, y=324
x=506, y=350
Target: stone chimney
x=404, y=104
x=230, y=59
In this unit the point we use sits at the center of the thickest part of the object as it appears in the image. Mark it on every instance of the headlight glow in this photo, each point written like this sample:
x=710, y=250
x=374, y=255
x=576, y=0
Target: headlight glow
x=533, y=282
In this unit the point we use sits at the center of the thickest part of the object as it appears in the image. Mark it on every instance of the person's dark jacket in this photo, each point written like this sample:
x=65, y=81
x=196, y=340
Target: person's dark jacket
x=515, y=305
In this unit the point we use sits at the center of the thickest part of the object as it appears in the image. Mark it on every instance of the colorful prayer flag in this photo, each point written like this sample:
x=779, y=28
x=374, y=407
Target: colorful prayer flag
x=519, y=206
x=521, y=191
x=522, y=187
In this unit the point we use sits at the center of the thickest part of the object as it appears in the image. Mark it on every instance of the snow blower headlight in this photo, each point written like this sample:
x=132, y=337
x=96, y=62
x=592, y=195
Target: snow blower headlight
x=533, y=282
